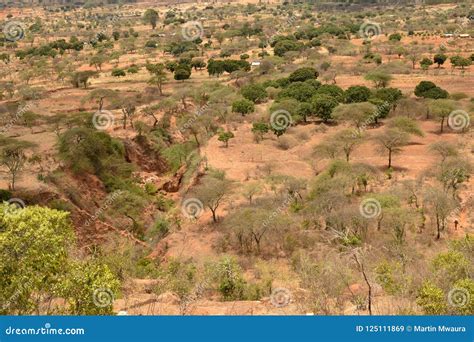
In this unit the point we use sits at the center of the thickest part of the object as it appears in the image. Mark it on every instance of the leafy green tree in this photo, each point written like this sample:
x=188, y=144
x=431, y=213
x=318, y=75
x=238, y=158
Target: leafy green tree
x=439, y=59
x=450, y=266
x=284, y=46
x=379, y=78
x=357, y=94
x=13, y=158
x=34, y=245
x=97, y=61
x=304, y=110
x=89, y=287
x=225, y=137
x=426, y=63
x=100, y=95
x=428, y=89
x=198, y=63
x=459, y=61
x=301, y=91
x=254, y=92
x=259, y=129
x=323, y=106
x=332, y=90
x=441, y=109
x=158, y=75
x=432, y=299
x=151, y=17
x=243, y=106
x=303, y=74
x=215, y=68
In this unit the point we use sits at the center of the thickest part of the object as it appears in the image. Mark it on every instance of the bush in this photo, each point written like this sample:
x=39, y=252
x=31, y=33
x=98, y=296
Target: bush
x=230, y=282
x=60, y=205
x=5, y=195
x=243, y=106
x=133, y=69
x=285, y=142
x=158, y=230
x=118, y=73
x=151, y=188
x=151, y=44
x=303, y=74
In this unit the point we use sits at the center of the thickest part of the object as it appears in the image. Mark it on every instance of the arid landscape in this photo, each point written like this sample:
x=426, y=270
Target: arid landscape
x=237, y=158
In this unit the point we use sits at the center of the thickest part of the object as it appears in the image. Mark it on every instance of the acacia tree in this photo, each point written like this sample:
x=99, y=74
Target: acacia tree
x=452, y=173
x=444, y=150
x=251, y=226
x=100, y=95
x=212, y=191
x=252, y=189
x=441, y=206
x=379, y=78
x=441, y=108
x=348, y=140
x=128, y=107
x=392, y=141
x=158, y=75
x=14, y=158
x=361, y=114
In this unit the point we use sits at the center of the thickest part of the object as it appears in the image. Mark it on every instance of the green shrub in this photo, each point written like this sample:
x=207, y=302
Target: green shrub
x=5, y=195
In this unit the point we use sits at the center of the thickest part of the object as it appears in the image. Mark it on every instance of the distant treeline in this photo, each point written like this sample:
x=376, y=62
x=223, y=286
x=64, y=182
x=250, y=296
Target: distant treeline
x=377, y=2
x=68, y=3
